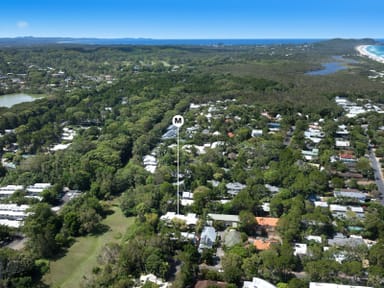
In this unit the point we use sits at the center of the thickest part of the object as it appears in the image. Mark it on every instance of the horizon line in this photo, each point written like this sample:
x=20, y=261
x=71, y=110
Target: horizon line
x=205, y=38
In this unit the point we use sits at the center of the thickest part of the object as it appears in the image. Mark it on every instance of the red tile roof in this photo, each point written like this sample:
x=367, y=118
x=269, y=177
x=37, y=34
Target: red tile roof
x=263, y=244
x=267, y=221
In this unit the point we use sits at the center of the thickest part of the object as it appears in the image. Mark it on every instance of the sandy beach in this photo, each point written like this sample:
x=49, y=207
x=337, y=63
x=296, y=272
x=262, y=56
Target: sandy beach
x=362, y=49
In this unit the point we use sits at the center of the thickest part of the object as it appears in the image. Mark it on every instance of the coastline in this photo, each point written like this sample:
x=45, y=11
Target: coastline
x=362, y=49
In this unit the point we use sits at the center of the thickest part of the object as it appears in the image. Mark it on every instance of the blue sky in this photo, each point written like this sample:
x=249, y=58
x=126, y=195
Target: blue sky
x=192, y=19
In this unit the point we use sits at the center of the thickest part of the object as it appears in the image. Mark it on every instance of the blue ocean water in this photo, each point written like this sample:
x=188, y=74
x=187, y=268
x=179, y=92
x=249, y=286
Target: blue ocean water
x=198, y=42
x=376, y=49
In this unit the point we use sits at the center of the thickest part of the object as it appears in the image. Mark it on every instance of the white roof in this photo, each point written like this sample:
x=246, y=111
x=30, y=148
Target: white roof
x=356, y=209
x=11, y=188
x=60, y=147
x=343, y=143
x=13, y=207
x=300, y=249
x=335, y=207
x=11, y=223
x=331, y=285
x=188, y=195
x=186, y=202
x=266, y=207
x=224, y=217
x=321, y=204
x=150, y=168
x=190, y=218
x=314, y=238
x=149, y=158
x=258, y=283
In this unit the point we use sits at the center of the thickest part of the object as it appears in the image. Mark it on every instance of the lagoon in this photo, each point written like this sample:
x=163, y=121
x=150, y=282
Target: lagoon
x=328, y=68
x=13, y=99
x=340, y=63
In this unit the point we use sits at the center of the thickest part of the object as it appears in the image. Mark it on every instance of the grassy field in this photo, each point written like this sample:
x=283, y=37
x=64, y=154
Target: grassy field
x=80, y=258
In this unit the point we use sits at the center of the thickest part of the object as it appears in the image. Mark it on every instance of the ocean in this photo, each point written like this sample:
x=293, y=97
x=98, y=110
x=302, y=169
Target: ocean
x=378, y=50
x=33, y=41
x=192, y=42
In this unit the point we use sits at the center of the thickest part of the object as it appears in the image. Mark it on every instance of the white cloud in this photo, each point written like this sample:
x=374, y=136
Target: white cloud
x=22, y=24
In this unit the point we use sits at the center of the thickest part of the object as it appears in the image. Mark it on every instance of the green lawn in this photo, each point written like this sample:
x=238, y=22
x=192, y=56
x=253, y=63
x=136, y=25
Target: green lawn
x=80, y=258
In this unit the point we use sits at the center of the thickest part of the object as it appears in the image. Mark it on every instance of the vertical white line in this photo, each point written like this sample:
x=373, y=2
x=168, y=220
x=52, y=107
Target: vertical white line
x=178, y=121
x=178, y=172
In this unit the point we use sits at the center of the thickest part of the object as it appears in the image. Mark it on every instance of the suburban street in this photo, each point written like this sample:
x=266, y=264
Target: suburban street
x=378, y=175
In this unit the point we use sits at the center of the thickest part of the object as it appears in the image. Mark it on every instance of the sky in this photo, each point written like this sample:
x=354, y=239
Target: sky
x=193, y=19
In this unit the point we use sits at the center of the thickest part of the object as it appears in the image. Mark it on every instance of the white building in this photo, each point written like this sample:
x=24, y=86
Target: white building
x=314, y=238
x=153, y=279
x=300, y=249
x=341, y=210
x=150, y=163
x=7, y=191
x=190, y=218
x=34, y=191
x=13, y=215
x=186, y=198
x=234, y=188
x=207, y=238
x=331, y=285
x=258, y=283
x=228, y=220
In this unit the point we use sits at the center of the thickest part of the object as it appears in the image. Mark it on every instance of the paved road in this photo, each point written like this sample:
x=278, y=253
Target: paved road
x=378, y=175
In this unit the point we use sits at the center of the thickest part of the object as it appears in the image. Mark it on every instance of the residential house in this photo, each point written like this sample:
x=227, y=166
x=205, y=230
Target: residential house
x=257, y=283
x=267, y=223
x=226, y=219
x=267, y=227
x=341, y=240
x=190, y=219
x=342, y=143
x=263, y=244
x=300, y=249
x=171, y=133
x=186, y=198
x=7, y=191
x=257, y=132
x=207, y=238
x=153, y=279
x=341, y=210
x=13, y=215
x=35, y=190
x=274, y=127
x=314, y=134
x=314, y=238
x=321, y=204
x=266, y=207
x=342, y=131
x=150, y=163
x=68, y=134
x=272, y=189
x=310, y=154
x=234, y=188
x=353, y=194
x=347, y=157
